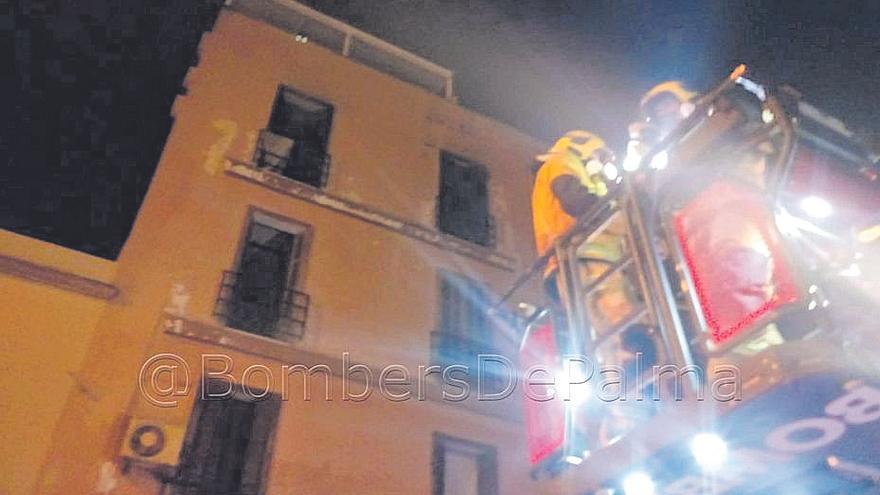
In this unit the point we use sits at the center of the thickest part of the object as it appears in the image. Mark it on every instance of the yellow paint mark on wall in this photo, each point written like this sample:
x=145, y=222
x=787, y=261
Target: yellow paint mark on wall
x=250, y=143
x=217, y=152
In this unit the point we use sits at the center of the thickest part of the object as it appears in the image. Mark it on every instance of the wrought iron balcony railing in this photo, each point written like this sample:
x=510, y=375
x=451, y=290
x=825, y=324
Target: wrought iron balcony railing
x=450, y=349
x=275, y=312
x=283, y=156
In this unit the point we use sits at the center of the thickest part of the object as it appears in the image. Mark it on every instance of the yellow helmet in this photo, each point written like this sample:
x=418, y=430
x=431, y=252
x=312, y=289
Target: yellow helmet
x=582, y=144
x=665, y=105
x=673, y=88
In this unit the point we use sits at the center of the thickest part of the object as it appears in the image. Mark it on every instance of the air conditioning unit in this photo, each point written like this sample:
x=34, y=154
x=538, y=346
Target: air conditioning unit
x=152, y=442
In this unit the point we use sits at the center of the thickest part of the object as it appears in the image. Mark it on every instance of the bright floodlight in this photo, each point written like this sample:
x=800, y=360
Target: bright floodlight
x=638, y=483
x=816, y=207
x=610, y=171
x=852, y=270
x=660, y=160
x=686, y=109
x=574, y=383
x=633, y=157
x=870, y=234
x=709, y=450
x=573, y=459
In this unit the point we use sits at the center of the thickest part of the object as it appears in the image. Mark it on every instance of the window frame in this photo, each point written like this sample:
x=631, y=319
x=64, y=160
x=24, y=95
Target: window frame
x=445, y=157
x=269, y=406
x=331, y=109
x=284, y=224
x=456, y=282
x=485, y=456
x=294, y=279
x=454, y=343
x=285, y=164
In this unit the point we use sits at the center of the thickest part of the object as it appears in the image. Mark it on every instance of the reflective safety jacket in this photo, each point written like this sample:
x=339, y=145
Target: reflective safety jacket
x=549, y=218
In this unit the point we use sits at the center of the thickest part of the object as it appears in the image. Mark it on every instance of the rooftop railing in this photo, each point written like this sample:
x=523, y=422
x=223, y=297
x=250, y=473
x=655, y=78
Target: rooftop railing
x=311, y=26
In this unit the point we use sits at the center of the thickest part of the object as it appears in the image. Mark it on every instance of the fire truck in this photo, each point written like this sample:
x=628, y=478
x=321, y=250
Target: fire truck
x=723, y=300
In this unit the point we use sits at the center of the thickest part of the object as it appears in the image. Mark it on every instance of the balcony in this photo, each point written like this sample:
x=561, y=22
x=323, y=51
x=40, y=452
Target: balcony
x=281, y=155
x=449, y=349
x=278, y=313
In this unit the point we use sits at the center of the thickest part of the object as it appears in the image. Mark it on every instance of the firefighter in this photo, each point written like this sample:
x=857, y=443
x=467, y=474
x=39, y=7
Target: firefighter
x=570, y=180
x=661, y=109
x=665, y=105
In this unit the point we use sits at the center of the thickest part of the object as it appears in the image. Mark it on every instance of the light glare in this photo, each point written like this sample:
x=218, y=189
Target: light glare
x=816, y=207
x=709, y=450
x=610, y=171
x=870, y=234
x=638, y=483
x=686, y=109
x=633, y=158
x=660, y=160
x=576, y=382
x=852, y=270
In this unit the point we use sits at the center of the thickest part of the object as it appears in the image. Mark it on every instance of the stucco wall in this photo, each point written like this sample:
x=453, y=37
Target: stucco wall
x=374, y=291
x=44, y=336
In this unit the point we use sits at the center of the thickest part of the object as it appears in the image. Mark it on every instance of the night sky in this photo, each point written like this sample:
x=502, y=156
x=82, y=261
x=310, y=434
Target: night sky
x=549, y=66
x=88, y=112
x=94, y=80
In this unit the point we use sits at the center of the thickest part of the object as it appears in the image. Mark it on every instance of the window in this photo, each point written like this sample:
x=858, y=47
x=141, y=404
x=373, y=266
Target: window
x=228, y=444
x=462, y=467
x=467, y=329
x=464, y=306
x=260, y=296
x=463, y=202
x=295, y=143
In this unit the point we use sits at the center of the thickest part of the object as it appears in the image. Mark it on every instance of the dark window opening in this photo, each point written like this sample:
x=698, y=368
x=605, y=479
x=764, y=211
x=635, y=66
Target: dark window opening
x=463, y=202
x=295, y=143
x=228, y=444
x=463, y=467
x=260, y=296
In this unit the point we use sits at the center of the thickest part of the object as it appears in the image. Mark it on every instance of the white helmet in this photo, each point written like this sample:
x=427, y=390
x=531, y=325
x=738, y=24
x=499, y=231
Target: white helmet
x=580, y=143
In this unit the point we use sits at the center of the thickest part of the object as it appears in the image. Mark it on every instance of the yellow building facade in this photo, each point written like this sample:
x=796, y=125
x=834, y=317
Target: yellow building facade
x=331, y=151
